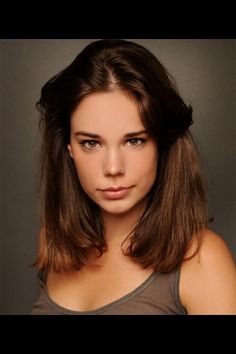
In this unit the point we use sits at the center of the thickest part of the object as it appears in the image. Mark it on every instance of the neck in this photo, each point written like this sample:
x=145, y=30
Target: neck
x=118, y=226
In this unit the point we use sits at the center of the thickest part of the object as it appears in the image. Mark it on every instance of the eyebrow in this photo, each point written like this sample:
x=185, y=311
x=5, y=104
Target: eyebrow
x=96, y=136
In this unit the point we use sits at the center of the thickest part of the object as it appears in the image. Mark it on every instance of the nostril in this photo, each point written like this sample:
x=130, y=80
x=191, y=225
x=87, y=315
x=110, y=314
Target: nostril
x=113, y=172
x=114, y=166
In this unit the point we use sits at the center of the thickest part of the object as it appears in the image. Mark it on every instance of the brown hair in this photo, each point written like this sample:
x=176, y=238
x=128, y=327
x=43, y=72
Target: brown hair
x=176, y=210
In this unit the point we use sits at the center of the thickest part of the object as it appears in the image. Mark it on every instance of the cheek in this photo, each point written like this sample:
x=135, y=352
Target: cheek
x=87, y=169
x=146, y=172
x=144, y=165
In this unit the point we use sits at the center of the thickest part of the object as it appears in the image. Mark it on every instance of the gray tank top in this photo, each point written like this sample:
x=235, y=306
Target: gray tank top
x=157, y=295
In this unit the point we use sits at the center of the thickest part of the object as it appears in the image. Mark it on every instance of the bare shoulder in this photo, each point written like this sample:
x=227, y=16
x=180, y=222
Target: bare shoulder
x=208, y=280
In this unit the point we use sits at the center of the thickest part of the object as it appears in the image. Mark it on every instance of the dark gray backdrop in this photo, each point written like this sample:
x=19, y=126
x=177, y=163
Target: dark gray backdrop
x=205, y=73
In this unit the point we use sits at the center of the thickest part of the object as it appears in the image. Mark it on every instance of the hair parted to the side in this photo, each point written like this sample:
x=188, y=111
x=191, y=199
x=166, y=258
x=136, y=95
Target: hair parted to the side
x=176, y=205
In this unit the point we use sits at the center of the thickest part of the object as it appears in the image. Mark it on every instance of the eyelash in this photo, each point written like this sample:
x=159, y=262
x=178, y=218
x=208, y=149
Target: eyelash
x=141, y=141
x=95, y=143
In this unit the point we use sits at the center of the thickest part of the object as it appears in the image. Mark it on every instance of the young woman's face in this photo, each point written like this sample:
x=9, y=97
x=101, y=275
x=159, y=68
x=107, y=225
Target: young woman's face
x=115, y=158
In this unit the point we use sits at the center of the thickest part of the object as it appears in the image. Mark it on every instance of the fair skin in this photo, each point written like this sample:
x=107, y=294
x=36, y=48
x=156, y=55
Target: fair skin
x=107, y=155
x=113, y=158
x=208, y=280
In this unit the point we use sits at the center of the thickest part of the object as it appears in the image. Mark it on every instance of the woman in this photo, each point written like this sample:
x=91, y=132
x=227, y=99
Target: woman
x=124, y=215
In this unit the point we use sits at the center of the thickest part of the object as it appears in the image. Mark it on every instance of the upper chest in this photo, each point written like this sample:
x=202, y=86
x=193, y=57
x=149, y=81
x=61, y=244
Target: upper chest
x=94, y=287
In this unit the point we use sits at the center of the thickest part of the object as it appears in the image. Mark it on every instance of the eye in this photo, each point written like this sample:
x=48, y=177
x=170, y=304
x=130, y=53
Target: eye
x=89, y=144
x=136, y=141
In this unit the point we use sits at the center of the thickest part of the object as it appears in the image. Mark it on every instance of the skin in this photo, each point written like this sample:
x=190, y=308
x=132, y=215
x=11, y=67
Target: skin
x=207, y=281
x=113, y=159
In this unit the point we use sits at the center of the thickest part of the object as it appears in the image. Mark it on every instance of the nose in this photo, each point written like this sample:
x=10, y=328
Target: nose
x=113, y=163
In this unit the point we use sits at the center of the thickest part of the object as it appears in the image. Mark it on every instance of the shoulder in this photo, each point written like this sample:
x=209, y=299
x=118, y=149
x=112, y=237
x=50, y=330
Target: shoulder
x=208, y=280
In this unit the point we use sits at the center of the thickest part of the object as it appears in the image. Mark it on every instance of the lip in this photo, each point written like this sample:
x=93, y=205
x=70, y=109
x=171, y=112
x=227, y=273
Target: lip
x=114, y=193
x=114, y=189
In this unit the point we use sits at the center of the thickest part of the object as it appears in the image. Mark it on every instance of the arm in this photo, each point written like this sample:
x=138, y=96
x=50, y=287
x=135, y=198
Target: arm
x=208, y=280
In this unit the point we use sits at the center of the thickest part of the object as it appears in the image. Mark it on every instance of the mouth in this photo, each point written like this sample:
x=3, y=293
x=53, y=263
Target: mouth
x=114, y=193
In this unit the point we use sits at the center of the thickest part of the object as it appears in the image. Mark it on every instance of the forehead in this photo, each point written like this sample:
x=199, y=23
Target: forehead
x=107, y=111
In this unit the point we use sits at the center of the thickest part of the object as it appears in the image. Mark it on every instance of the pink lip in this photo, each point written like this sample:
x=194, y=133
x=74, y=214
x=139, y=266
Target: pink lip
x=114, y=189
x=114, y=193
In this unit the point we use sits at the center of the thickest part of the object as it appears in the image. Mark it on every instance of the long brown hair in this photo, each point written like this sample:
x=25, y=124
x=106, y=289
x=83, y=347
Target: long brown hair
x=176, y=210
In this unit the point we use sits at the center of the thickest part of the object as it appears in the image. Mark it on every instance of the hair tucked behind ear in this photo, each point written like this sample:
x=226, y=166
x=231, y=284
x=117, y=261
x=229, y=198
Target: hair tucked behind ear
x=176, y=210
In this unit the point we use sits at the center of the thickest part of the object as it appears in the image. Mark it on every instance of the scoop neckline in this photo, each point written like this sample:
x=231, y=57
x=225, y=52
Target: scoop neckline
x=103, y=308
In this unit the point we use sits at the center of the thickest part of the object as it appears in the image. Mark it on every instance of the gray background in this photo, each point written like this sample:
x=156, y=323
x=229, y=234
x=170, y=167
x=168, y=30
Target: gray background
x=205, y=73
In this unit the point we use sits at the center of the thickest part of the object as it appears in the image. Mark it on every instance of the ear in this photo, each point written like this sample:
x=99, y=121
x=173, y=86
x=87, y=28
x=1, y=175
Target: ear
x=70, y=150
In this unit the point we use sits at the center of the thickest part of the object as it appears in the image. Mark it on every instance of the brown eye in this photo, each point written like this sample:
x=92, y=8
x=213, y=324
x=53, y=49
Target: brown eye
x=89, y=144
x=136, y=141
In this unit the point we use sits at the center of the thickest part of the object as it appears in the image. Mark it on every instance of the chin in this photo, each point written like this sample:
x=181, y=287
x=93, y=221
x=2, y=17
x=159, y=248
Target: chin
x=116, y=210
x=119, y=208
x=115, y=207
